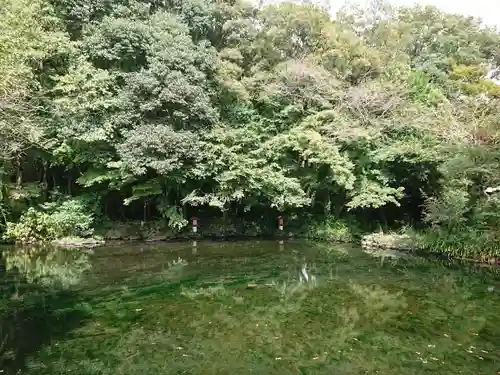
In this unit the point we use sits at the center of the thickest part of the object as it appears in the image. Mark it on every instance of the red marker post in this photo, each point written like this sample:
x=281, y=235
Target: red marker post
x=281, y=224
x=195, y=224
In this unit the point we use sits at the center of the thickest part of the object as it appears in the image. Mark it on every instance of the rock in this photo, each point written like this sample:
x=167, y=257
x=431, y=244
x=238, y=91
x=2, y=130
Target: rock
x=156, y=238
x=78, y=242
x=113, y=234
x=387, y=241
x=123, y=231
x=133, y=237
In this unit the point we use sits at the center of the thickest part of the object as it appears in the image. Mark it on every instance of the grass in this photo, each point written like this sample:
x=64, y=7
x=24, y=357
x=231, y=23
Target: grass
x=460, y=243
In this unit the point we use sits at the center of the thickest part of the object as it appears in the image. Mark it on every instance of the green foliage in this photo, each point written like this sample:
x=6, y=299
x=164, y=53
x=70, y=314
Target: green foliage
x=167, y=109
x=423, y=90
x=174, y=217
x=464, y=242
x=33, y=226
x=29, y=37
x=73, y=219
x=331, y=230
x=70, y=218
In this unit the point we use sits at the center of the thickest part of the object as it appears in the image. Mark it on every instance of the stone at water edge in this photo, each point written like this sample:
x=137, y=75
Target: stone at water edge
x=387, y=241
x=77, y=242
x=156, y=238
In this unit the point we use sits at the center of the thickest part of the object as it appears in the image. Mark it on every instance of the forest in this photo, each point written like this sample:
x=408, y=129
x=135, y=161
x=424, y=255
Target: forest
x=377, y=118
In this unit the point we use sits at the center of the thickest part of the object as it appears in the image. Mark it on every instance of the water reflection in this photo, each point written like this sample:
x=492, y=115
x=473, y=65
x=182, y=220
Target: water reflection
x=272, y=308
x=306, y=277
x=36, y=305
x=47, y=266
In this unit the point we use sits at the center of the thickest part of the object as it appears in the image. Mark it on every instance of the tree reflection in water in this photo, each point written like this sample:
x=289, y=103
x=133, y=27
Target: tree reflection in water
x=47, y=266
x=36, y=301
x=265, y=308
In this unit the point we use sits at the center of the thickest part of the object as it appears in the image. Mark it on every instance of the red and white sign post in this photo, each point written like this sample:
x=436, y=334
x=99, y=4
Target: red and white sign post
x=195, y=224
x=281, y=224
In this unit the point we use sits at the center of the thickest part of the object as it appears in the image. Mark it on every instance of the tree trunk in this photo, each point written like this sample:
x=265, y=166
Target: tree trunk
x=19, y=177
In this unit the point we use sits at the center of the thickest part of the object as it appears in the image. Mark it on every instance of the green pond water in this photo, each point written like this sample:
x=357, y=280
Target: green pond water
x=259, y=307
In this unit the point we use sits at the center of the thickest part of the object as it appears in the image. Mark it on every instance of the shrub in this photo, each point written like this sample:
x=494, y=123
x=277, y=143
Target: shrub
x=460, y=242
x=331, y=230
x=73, y=219
x=69, y=218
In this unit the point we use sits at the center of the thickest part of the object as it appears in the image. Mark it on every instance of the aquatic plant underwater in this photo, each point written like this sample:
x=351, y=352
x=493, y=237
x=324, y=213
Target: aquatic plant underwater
x=257, y=307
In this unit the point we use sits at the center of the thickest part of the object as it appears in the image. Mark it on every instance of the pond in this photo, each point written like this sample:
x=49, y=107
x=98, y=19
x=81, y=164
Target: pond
x=259, y=307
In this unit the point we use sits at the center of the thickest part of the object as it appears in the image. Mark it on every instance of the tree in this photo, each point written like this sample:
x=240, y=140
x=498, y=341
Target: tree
x=159, y=108
x=29, y=39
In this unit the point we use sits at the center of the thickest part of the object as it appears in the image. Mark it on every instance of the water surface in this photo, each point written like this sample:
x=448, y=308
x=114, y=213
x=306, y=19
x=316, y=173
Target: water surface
x=257, y=307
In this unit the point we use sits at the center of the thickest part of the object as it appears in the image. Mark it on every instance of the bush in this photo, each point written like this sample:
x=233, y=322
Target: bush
x=70, y=218
x=331, y=230
x=73, y=219
x=464, y=242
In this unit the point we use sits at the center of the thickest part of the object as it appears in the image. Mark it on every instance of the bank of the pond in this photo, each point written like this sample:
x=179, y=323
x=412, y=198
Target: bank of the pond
x=324, y=230
x=422, y=244
x=31, y=231
x=330, y=231
x=327, y=230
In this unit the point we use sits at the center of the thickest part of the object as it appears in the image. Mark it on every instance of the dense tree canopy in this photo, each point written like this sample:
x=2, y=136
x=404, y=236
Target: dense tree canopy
x=385, y=114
